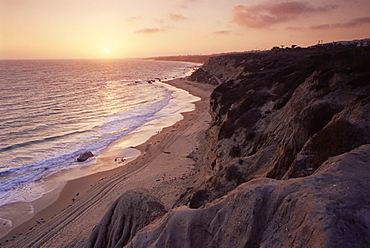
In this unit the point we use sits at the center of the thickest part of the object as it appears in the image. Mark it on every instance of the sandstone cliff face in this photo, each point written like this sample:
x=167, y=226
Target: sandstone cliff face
x=287, y=161
x=128, y=214
x=287, y=116
x=331, y=208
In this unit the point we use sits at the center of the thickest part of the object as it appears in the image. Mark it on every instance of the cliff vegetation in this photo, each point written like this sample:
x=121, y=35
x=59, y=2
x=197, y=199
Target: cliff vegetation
x=286, y=161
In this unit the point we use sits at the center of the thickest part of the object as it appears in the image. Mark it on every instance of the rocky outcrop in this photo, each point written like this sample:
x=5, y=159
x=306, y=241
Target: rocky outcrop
x=284, y=119
x=84, y=156
x=330, y=208
x=131, y=212
x=287, y=157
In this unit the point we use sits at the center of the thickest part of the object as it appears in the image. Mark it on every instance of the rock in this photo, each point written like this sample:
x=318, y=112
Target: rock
x=120, y=160
x=286, y=162
x=128, y=214
x=84, y=156
x=328, y=209
x=287, y=120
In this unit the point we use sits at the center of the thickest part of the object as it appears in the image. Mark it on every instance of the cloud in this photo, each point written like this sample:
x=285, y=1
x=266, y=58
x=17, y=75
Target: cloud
x=185, y=3
x=222, y=32
x=133, y=18
x=178, y=17
x=267, y=14
x=294, y=28
x=159, y=20
x=350, y=24
x=149, y=31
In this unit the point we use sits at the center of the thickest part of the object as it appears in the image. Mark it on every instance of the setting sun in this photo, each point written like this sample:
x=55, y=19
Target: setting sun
x=130, y=29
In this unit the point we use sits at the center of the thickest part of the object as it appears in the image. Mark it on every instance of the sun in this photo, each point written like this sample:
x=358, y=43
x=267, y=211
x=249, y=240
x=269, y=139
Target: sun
x=107, y=50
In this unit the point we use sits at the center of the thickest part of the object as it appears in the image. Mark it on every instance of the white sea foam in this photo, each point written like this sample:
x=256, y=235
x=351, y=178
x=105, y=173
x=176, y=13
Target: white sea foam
x=52, y=116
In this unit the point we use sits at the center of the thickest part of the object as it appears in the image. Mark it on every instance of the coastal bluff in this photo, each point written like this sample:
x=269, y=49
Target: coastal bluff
x=285, y=162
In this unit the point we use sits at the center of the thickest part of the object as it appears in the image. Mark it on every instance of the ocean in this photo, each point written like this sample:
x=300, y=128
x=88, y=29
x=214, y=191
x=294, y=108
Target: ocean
x=53, y=110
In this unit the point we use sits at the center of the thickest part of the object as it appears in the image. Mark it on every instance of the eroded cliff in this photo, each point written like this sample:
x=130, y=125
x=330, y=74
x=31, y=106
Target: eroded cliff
x=286, y=163
x=287, y=114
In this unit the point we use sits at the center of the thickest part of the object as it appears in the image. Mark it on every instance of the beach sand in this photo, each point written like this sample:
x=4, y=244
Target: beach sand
x=163, y=168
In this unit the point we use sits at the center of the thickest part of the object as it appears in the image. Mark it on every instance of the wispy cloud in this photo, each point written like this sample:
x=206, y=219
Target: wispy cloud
x=223, y=32
x=185, y=3
x=149, y=31
x=294, y=28
x=267, y=14
x=178, y=17
x=190, y=1
x=350, y=24
x=159, y=20
x=133, y=18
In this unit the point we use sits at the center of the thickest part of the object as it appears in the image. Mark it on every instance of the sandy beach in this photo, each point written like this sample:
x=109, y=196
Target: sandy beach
x=163, y=168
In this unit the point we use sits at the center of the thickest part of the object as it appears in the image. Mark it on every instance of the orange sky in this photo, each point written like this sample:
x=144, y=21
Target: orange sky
x=56, y=29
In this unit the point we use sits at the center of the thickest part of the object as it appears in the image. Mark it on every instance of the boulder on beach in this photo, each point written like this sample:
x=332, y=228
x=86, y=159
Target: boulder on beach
x=84, y=156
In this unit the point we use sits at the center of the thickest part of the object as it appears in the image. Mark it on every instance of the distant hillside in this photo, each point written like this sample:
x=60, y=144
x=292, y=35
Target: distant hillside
x=202, y=59
x=184, y=58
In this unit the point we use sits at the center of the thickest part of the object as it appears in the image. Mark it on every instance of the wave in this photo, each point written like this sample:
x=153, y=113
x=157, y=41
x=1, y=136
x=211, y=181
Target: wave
x=48, y=139
x=45, y=128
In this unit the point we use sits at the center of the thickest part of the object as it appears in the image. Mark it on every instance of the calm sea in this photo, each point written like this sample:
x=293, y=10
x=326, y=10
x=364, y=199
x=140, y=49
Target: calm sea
x=53, y=110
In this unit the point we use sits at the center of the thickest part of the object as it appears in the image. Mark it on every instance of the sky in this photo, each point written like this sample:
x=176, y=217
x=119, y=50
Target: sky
x=85, y=29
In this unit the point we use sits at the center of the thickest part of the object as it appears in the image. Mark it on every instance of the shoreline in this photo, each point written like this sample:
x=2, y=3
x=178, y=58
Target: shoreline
x=162, y=167
x=121, y=150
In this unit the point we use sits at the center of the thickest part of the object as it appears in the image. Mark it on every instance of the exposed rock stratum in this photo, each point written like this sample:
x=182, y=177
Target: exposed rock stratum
x=287, y=157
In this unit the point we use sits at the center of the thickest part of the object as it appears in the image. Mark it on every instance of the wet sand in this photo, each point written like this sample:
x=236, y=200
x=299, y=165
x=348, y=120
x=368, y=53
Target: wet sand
x=163, y=167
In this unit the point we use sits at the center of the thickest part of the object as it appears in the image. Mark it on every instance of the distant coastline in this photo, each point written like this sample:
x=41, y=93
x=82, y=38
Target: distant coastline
x=276, y=153
x=183, y=58
x=202, y=59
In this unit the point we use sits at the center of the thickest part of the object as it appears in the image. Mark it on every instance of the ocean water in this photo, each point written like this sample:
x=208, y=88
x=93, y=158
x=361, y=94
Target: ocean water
x=53, y=110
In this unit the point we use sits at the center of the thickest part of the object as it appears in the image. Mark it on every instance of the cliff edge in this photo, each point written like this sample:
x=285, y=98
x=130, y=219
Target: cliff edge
x=287, y=157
